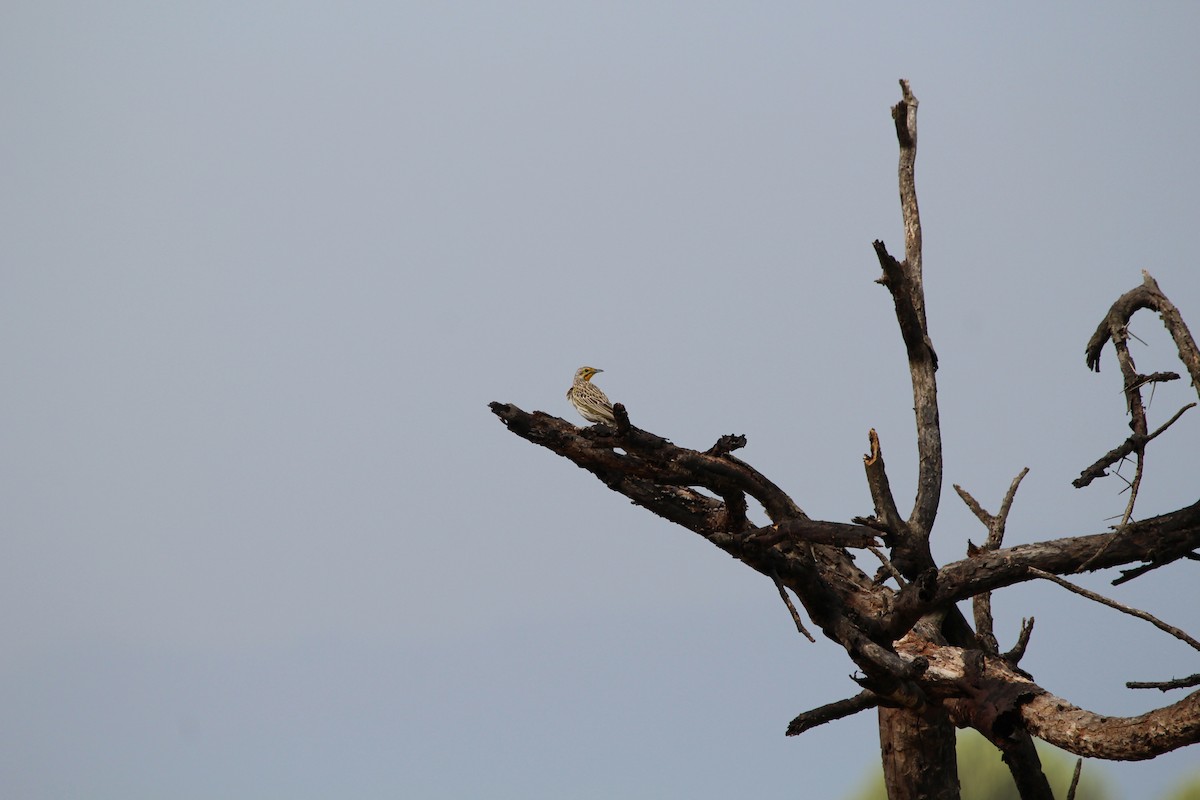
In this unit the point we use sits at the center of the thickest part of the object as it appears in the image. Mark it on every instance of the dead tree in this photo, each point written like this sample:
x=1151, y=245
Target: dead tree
x=922, y=664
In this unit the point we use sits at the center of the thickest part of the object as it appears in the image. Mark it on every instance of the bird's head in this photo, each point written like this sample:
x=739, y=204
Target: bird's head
x=586, y=373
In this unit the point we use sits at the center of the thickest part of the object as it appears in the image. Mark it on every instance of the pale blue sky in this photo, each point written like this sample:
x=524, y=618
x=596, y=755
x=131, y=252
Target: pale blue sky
x=266, y=263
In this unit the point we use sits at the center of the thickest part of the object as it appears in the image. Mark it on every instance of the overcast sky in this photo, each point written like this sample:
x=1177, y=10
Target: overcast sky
x=266, y=263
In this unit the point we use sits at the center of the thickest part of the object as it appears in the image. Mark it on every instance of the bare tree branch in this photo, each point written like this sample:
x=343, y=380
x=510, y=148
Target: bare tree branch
x=921, y=664
x=787, y=601
x=906, y=283
x=1075, y=779
x=918, y=756
x=982, y=602
x=1003, y=700
x=1166, y=686
x=1126, y=448
x=1091, y=735
x=910, y=550
x=1115, y=328
x=653, y=472
x=1137, y=572
x=832, y=711
x=1156, y=377
x=1124, y=609
x=1148, y=295
x=1017, y=652
x=1160, y=540
x=886, y=513
x=887, y=569
x=837, y=534
x=903, y=283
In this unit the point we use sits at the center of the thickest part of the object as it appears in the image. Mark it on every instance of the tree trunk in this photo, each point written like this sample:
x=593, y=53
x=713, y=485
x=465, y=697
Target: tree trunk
x=919, y=661
x=918, y=754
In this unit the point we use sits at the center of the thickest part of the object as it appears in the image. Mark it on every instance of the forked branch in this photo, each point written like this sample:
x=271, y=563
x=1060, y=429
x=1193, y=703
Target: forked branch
x=905, y=281
x=919, y=660
x=995, y=524
x=1178, y=633
x=1001, y=700
x=1158, y=540
x=1148, y=295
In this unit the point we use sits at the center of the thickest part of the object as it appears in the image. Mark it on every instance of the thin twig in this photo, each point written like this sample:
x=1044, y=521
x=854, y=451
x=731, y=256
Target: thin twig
x=1124, y=609
x=1155, y=377
x=1006, y=504
x=980, y=513
x=787, y=601
x=1140, y=448
x=1164, y=686
x=889, y=566
x=1017, y=652
x=1137, y=572
x=831, y=711
x=995, y=524
x=1134, y=485
x=1130, y=445
x=1075, y=779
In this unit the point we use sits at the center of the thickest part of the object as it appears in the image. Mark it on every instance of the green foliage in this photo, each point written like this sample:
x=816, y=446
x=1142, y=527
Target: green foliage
x=983, y=776
x=1188, y=789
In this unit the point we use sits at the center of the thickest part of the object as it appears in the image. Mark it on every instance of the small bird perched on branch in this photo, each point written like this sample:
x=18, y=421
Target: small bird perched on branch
x=589, y=401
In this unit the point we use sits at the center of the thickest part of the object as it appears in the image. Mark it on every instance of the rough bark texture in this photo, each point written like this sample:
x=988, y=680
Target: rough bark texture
x=920, y=662
x=918, y=756
x=917, y=748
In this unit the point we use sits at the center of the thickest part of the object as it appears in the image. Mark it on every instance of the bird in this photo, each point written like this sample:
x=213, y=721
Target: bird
x=591, y=403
